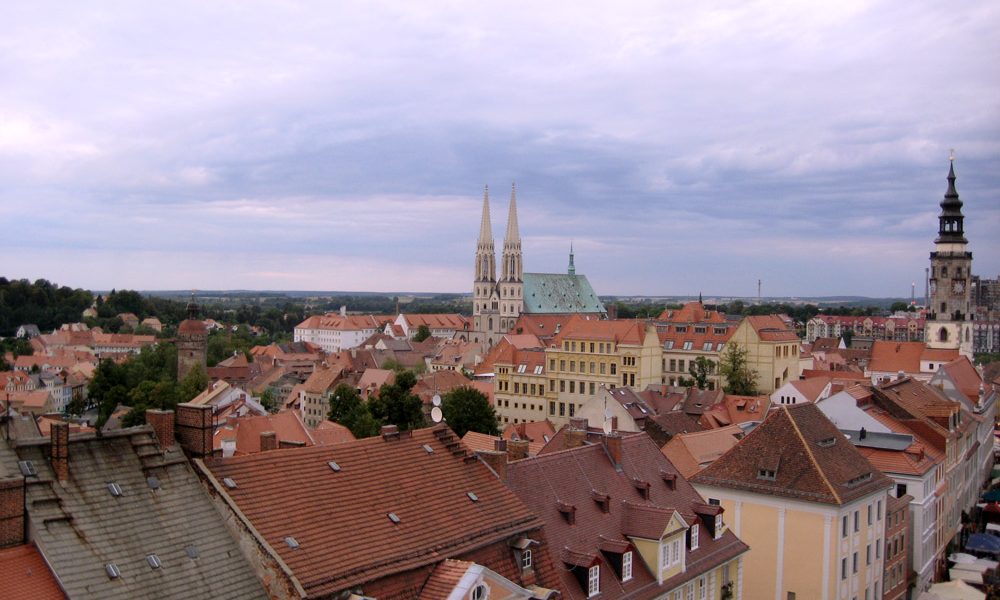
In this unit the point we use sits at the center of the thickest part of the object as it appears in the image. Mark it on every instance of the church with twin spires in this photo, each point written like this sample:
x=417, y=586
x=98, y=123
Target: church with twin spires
x=497, y=303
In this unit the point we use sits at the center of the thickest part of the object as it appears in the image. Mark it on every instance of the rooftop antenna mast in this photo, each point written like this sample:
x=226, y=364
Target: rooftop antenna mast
x=758, y=292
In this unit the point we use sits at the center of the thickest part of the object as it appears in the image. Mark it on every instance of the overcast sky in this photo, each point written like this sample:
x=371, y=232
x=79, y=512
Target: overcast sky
x=682, y=147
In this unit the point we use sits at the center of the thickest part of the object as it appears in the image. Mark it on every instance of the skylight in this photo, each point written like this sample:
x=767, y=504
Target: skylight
x=393, y=518
x=229, y=483
x=472, y=496
x=428, y=449
x=191, y=551
x=115, y=489
x=112, y=570
x=27, y=468
x=292, y=543
x=153, y=561
x=334, y=466
x=153, y=483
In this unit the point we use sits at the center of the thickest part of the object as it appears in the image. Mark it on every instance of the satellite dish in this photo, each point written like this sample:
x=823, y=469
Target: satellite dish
x=436, y=400
x=607, y=427
x=607, y=413
x=436, y=415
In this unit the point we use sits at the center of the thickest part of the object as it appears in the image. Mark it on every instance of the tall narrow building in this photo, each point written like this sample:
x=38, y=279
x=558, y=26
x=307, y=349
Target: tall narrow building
x=512, y=273
x=192, y=343
x=950, y=322
x=485, y=300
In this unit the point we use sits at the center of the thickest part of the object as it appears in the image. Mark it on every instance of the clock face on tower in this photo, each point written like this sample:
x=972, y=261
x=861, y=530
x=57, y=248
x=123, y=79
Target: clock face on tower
x=958, y=286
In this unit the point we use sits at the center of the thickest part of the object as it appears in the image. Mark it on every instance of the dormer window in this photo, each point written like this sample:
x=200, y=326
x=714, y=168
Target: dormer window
x=593, y=581
x=766, y=474
x=694, y=536
x=627, y=566
x=526, y=559
x=718, y=526
x=479, y=592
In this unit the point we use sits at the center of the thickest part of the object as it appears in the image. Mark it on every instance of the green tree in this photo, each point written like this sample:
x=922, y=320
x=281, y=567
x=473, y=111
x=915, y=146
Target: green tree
x=741, y=378
x=397, y=405
x=699, y=369
x=423, y=332
x=268, y=401
x=194, y=383
x=467, y=409
x=347, y=408
x=899, y=306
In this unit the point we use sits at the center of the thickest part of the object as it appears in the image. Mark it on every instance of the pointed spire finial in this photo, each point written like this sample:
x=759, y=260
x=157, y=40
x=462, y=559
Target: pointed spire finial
x=699, y=298
x=513, y=235
x=572, y=268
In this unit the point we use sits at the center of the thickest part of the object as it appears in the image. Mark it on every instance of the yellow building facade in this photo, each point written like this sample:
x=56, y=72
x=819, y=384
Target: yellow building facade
x=772, y=350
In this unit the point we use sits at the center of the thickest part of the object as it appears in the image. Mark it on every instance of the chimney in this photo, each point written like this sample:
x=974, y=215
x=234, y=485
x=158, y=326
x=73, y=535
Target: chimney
x=194, y=428
x=614, y=423
x=500, y=445
x=162, y=422
x=12, y=512
x=343, y=310
x=497, y=460
x=517, y=449
x=578, y=423
x=613, y=444
x=60, y=450
x=268, y=441
x=390, y=432
x=574, y=437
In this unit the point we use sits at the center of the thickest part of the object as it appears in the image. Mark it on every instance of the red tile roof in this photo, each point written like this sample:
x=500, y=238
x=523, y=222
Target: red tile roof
x=772, y=328
x=576, y=478
x=892, y=357
x=348, y=539
x=807, y=454
x=692, y=312
x=965, y=377
x=25, y=574
x=287, y=426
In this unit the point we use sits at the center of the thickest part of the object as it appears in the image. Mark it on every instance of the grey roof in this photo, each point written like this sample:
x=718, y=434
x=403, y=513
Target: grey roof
x=559, y=293
x=80, y=526
x=875, y=439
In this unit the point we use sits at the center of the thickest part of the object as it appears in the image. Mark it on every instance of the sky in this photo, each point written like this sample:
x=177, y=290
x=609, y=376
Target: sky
x=680, y=147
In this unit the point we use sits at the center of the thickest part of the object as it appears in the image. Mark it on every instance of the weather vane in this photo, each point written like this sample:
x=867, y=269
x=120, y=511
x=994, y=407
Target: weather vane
x=951, y=154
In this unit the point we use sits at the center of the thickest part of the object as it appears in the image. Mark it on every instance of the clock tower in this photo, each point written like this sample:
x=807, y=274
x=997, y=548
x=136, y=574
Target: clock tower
x=950, y=321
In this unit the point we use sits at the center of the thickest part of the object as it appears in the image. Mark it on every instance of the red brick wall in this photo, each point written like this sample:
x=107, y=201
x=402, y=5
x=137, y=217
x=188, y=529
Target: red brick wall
x=193, y=428
x=162, y=422
x=896, y=548
x=60, y=450
x=11, y=512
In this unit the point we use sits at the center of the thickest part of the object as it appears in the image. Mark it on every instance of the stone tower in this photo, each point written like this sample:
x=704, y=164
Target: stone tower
x=192, y=343
x=512, y=273
x=950, y=321
x=485, y=300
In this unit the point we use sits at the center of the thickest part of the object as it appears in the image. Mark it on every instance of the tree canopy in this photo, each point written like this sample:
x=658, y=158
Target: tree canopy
x=467, y=409
x=741, y=379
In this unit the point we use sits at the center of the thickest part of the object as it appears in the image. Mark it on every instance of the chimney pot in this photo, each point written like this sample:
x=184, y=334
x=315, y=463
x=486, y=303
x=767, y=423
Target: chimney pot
x=268, y=441
x=390, y=432
x=162, y=422
x=517, y=449
x=500, y=445
x=613, y=444
x=497, y=461
x=60, y=450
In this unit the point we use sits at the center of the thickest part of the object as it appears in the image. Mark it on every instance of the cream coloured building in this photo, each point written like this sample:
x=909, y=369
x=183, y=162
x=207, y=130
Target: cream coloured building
x=808, y=504
x=772, y=350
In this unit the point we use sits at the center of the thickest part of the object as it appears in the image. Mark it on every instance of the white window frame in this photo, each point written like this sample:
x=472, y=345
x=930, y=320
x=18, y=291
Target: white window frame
x=718, y=526
x=593, y=581
x=526, y=558
x=694, y=536
x=627, y=566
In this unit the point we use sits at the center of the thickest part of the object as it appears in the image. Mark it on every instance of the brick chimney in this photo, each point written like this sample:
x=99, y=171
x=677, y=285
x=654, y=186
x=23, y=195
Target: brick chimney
x=390, y=432
x=497, y=460
x=194, y=428
x=517, y=449
x=268, y=441
x=60, y=450
x=500, y=445
x=613, y=444
x=11, y=512
x=578, y=423
x=162, y=422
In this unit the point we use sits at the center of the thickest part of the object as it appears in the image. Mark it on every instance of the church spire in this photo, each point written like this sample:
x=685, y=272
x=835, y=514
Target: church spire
x=572, y=268
x=485, y=252
x=512, y=267
x=951, y=220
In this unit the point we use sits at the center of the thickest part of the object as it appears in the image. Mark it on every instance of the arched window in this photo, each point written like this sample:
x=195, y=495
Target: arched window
x=942, y=335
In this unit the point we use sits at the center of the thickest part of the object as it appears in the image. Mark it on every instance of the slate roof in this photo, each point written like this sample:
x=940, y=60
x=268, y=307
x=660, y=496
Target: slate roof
x=810, y=459
x=348, y=540
x=25, y=575
x=79, y=526
x=559, y=293
x=576, y=477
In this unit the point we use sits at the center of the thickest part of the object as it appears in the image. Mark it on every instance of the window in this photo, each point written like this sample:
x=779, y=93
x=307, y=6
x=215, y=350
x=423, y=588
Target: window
x=868, y=554
x=572, y=409
x=878, y=549
x=627, y=566
x=879, y=511
x=843, y=568
x=702, y=588
x=694, y=536
x=526, y=558
x=480, y=592
x=665, y=556
x=857, y=521
x=562, y=365
x=718, y=525
x=870, y=514
x=594, y=581
x=854, y=563
x=614, y=369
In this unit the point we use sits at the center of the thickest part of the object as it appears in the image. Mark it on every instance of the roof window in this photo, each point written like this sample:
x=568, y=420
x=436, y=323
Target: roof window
x=153, y=483
x=191, y=551
x=395, y=519
x=428, y=449
x=292, y=543
x=859, y=479
x=827, y=442
x=153, y=561
x=334, y=466
x=229, y=483
x=472, y=496
x=112, y=570
x=27, y=468
x=767, y=474
x=115, y=489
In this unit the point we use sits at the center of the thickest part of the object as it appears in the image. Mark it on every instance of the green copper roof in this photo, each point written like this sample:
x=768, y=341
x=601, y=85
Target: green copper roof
x=558, y=293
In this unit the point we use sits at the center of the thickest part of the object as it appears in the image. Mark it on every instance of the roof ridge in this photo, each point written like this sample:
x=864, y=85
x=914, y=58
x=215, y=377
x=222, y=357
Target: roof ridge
x=812, y=458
